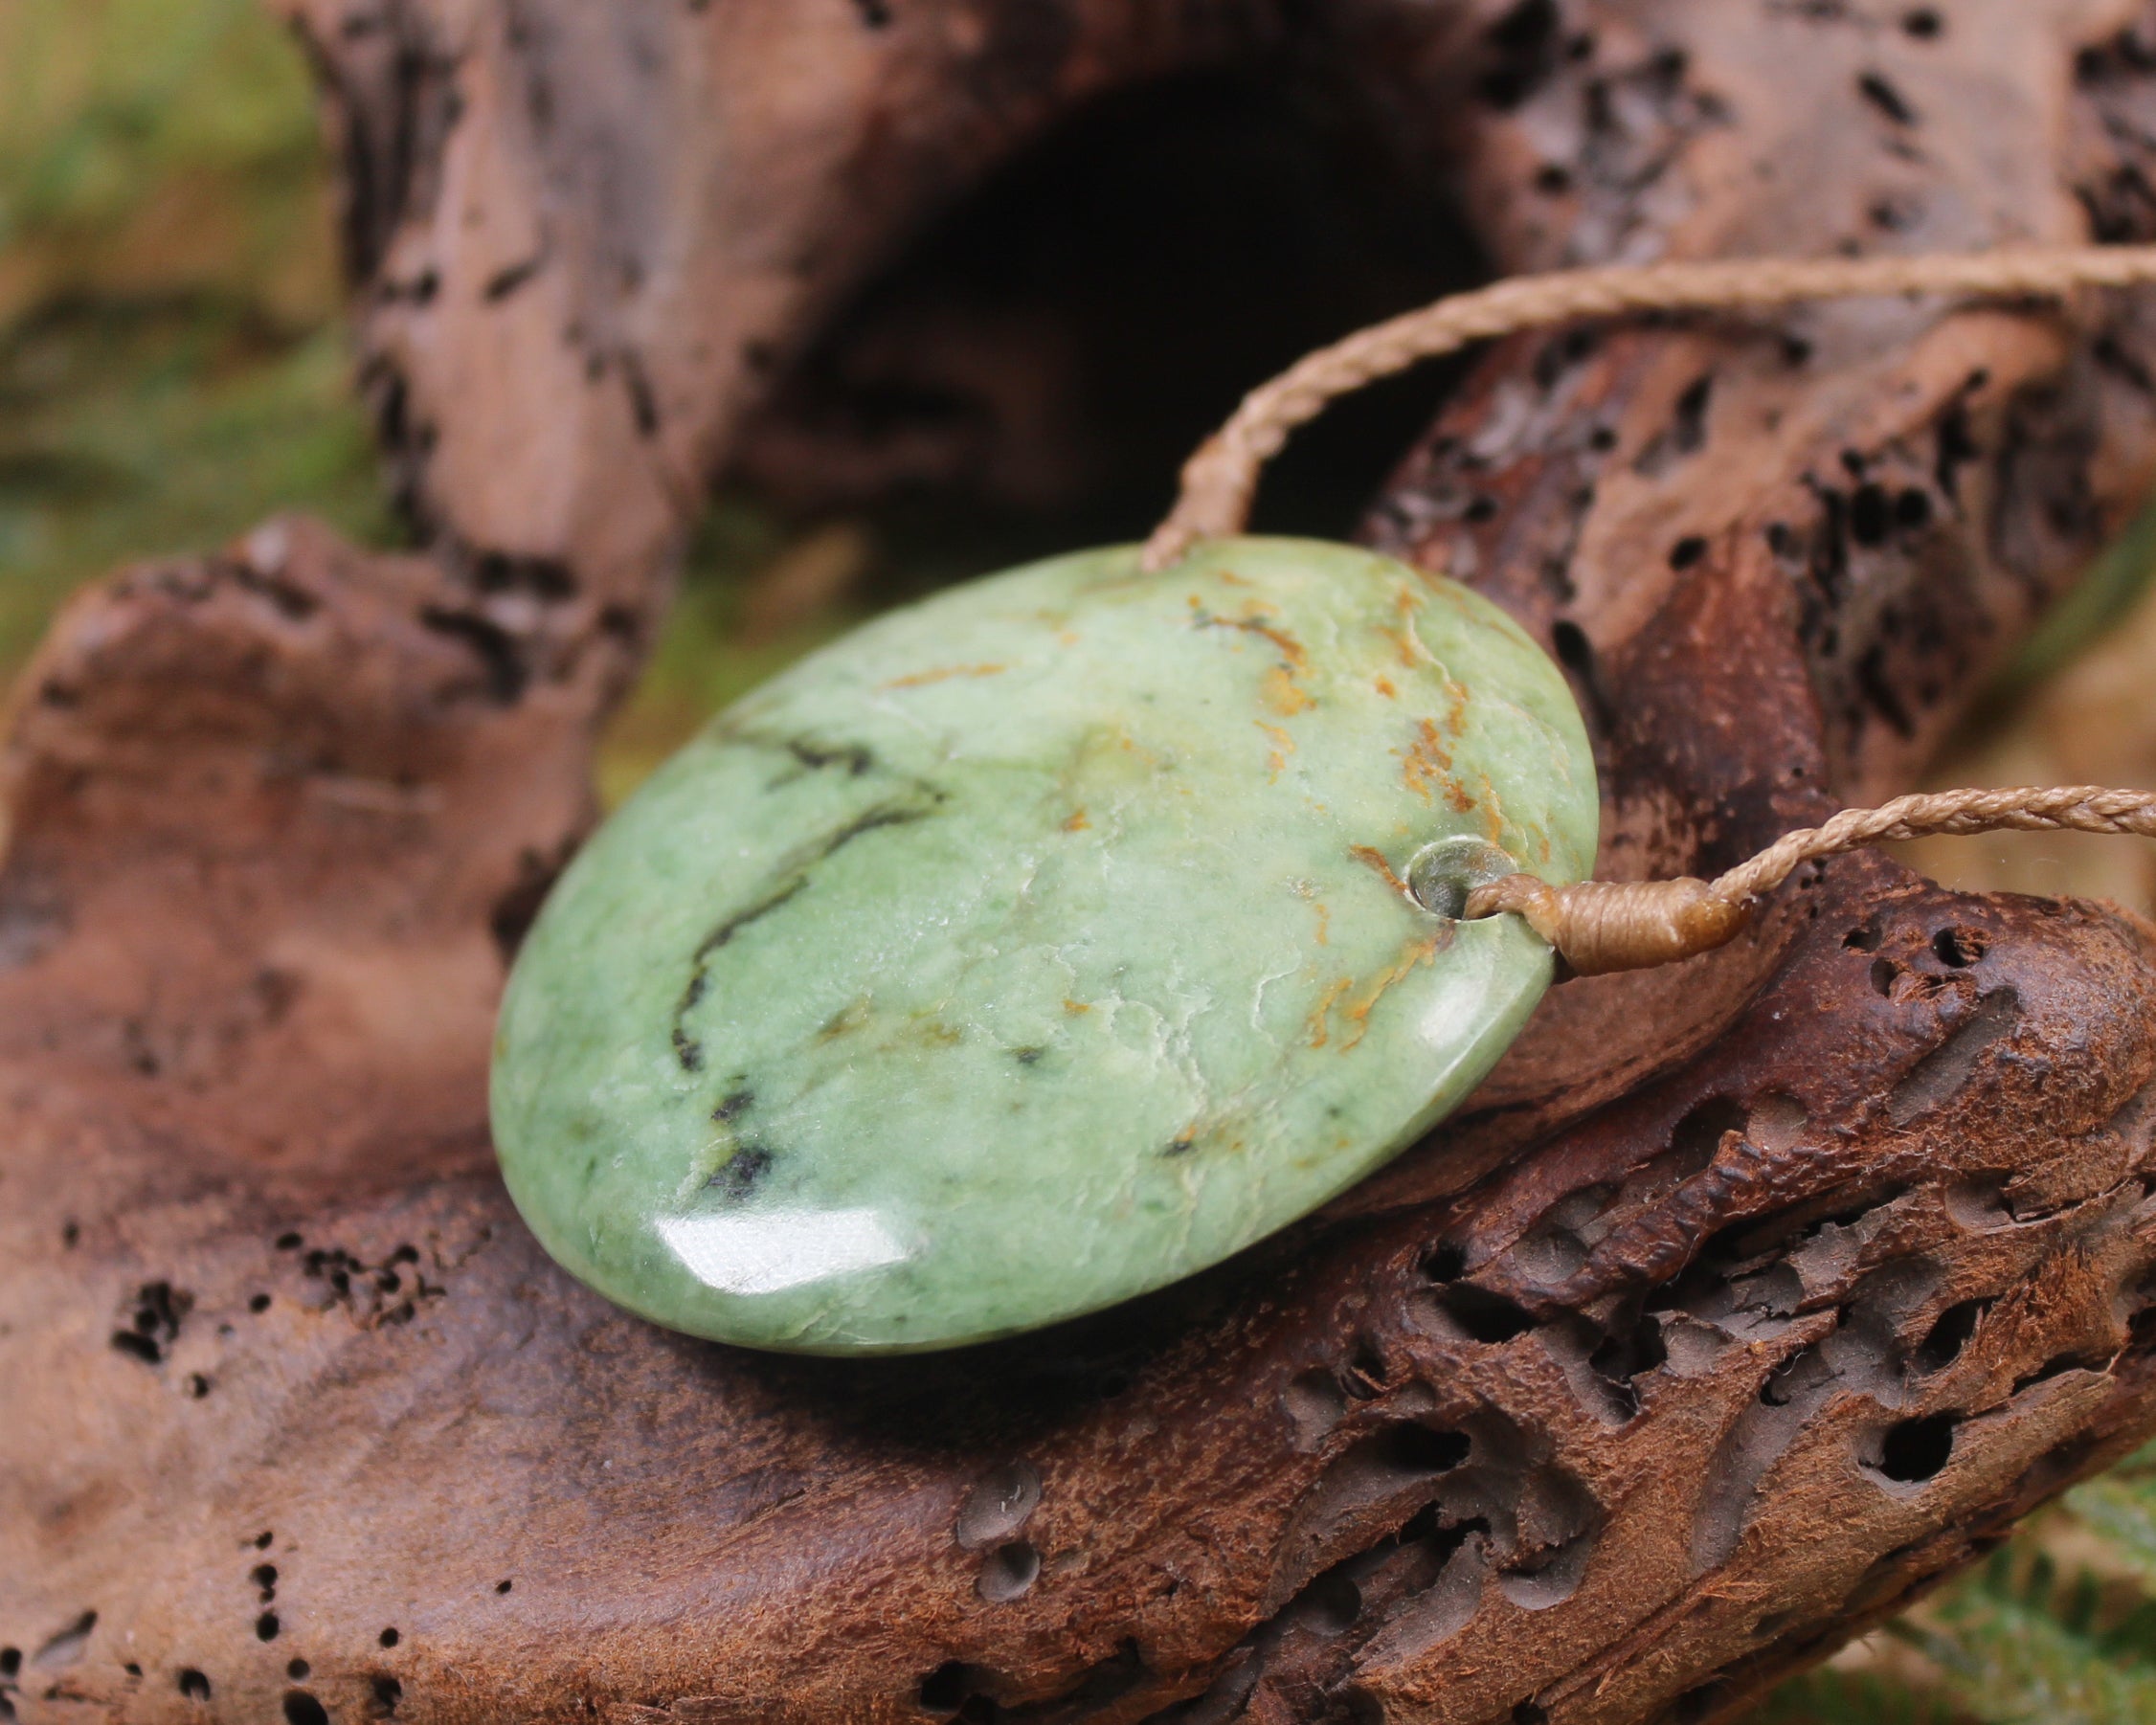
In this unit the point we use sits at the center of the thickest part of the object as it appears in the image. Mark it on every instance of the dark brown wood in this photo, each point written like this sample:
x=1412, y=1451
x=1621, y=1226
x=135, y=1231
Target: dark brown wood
x=1746, y=1301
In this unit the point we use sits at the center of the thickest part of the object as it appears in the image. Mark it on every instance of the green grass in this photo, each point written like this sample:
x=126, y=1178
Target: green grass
x=173, y=368
x=171, y=362
x=134, y=429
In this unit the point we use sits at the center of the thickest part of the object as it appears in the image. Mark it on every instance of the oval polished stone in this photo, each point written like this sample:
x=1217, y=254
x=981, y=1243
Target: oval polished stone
x=1035, y=946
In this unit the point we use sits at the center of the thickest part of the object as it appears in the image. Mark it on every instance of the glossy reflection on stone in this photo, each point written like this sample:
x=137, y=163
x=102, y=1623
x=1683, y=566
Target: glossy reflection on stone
x=1036, y=946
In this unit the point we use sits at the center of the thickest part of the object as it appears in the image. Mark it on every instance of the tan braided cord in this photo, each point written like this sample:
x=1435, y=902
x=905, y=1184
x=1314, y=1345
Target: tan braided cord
x=1601, y=925
x=1220, y=480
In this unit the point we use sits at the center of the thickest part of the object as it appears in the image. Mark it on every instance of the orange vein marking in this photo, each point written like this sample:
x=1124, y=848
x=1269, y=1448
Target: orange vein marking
x=1375, y=859
x=920, y=679
x=1317, y=1012
x=1421, y=953
x=1283, y=694
x=1425, y=761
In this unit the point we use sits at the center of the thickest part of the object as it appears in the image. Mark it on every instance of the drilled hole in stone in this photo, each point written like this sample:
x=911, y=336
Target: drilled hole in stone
x=388, y=1692
x=1482, y=1315
x=265, y=1577
x=504, y=1587
x=1949, y=1335
x=1914, y=1450
x=297, y=1670
x=10, y=1661
x=1883, y=973
x=1530, y=1713
x=1441, y=876
x=389, y=1638
x=1448, y=1261
x=193, y=1685
x=266, y=1626
x=1957, y=946
x=303, y=1709
x=1865, y=939
x=1010, y=1572
x=259, y=1303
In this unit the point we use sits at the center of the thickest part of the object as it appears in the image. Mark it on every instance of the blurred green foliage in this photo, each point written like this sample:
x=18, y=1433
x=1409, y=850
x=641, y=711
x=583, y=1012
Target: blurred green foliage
x=173, y=368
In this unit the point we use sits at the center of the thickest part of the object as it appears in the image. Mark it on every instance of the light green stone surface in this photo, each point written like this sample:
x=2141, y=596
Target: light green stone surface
x=1034, y=946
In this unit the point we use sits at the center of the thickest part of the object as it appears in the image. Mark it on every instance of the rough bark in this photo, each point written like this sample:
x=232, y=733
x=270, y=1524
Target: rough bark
x=1747, y=1300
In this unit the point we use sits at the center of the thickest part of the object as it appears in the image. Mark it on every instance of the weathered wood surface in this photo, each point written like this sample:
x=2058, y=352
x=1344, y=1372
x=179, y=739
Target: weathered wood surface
x=1747, y=1300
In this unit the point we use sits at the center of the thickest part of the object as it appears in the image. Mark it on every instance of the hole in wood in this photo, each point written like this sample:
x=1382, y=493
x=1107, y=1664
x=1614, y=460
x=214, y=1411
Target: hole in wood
x=303, y=1709
x=1483, y=1316
x=1911, y=1451
x=1010, y=1572
x=1948, y=1334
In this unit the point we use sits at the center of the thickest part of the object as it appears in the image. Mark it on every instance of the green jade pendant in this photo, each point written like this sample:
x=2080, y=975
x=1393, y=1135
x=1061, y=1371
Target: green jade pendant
x=1038, y=945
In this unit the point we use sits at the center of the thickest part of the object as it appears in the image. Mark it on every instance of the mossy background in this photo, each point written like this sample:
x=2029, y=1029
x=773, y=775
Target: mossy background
x=173, y=368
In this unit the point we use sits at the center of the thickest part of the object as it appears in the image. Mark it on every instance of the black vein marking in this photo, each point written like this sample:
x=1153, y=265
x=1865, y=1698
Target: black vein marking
x=856, y=758
x=1179, y=1147
x=794, y=877
x=809, y=755
x=737, y=1103
x=738, y=1174
x=1027, y=1056
x=686, y=1048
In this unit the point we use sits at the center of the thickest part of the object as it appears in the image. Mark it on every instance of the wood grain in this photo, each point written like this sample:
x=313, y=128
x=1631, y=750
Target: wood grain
x=1746, y=1302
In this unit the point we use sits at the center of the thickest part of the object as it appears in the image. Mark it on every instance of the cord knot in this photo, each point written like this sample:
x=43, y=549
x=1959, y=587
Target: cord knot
x=1602, y=925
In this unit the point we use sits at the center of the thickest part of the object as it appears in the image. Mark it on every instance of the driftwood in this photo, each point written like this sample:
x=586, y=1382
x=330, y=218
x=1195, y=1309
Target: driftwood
x=1746, y=1301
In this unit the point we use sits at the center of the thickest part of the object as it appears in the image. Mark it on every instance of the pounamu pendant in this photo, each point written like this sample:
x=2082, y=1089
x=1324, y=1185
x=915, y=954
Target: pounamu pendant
x=1038, y=945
